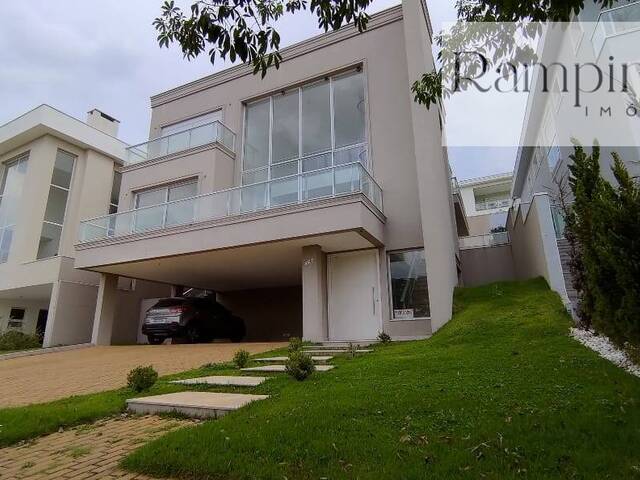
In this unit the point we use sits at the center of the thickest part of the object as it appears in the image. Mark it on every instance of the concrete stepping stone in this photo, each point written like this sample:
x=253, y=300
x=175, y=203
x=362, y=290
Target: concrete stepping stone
x=283, y=368
x=319, y=358
x=335, y=351
x=192, y=404
x=228, y=380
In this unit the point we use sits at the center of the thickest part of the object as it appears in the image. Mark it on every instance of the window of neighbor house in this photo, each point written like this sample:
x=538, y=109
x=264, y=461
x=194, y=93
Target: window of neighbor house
x=301, y=130
x=16, y=317
x=409, y=287
x=10, y=194
x=56, y=205
x=115, y=192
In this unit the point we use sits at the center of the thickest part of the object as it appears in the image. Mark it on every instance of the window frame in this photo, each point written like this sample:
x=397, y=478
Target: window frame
x=21, y=158
x=330, y=78
x=66, y=206
x=390, y=285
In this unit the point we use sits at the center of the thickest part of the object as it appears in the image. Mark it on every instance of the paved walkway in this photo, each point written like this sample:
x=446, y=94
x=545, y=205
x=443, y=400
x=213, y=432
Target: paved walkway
x=43, y=378
x=86, y=452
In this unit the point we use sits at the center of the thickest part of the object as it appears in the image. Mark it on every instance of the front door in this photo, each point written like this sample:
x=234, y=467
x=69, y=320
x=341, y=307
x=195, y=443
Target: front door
x=354, y=295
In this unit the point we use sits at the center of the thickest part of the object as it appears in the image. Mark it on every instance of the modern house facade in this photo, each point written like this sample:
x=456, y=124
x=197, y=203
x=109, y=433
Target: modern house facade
x=315, y=202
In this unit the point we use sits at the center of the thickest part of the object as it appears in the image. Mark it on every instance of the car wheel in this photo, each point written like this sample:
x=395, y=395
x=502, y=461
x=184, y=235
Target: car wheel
x=192, y=335
x=153, y=340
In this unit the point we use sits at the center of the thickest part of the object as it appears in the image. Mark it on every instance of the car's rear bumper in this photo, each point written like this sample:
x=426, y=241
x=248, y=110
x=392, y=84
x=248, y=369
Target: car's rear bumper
x=163, y=329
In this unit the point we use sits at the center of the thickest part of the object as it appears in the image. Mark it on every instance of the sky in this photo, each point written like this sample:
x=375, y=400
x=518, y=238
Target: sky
x=76, y=55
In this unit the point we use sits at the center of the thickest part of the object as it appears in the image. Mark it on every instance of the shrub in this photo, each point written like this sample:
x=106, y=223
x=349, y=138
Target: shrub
x=299, y=365
x=142, y=378
x=241, y=358
x=13, y=340
x=384, y=338
x=295, y=344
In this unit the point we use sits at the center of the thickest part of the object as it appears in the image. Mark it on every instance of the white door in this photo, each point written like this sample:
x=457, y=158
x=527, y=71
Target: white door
x=354, y=295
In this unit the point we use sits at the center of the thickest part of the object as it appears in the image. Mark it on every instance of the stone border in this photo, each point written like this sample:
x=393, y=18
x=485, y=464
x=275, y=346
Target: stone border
x=42, y=351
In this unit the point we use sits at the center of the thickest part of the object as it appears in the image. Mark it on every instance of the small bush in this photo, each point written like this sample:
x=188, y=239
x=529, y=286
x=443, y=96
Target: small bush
x=142, y=378
x=295, y=344
x=241, y=358
x=299, y=365
x=384, y=338
x=13, y=340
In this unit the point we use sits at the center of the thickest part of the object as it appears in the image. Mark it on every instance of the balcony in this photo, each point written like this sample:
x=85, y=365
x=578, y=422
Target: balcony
x=327, y=183
x=492, y=204
x=210, y=133
x=484, y=241
x=614, y=22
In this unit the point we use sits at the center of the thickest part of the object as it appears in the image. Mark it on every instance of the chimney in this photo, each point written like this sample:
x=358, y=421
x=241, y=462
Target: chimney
x=103, y=122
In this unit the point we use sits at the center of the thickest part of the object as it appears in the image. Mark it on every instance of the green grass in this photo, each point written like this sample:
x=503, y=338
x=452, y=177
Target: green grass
x=24, y=423
x=500, y=392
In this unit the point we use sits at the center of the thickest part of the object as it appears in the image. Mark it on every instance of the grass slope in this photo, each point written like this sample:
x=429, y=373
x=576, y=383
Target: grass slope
x=500, y=392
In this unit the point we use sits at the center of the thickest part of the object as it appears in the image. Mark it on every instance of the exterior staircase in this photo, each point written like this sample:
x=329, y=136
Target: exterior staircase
x=563, y=249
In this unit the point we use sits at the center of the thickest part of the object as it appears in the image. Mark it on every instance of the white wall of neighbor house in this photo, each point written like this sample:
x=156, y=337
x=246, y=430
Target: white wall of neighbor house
x=31, y=311
x=533, y=244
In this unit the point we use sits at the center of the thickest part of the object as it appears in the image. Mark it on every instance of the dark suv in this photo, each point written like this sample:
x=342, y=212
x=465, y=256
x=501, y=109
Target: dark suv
x=195, y=319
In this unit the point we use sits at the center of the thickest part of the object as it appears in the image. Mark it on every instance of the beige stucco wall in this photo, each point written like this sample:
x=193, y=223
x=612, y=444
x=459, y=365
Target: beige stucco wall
x=486, y=265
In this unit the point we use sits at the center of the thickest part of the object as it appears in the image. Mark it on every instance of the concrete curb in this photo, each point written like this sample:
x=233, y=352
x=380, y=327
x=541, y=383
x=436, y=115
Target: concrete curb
x=42, y=351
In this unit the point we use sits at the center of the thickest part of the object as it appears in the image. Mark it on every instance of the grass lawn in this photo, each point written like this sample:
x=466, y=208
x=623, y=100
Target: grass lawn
x=500, y=392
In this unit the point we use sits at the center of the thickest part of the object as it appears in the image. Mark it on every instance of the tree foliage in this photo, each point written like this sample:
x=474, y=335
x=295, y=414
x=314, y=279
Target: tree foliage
x=244, y=29
x=604, y=221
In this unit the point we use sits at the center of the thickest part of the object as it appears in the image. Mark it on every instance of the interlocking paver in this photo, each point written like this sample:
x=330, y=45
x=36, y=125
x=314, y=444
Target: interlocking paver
x=82, y=453
x=56, y=375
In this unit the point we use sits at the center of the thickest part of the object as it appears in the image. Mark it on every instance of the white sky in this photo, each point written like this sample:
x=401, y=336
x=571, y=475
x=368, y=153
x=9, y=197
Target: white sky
x=79, y=54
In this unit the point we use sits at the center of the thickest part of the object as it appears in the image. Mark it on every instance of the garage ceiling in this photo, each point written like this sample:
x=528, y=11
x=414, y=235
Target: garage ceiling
x=267, y=265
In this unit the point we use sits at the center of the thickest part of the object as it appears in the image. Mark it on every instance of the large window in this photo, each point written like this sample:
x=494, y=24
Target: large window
x=302, y=130
x=154, y=211
x=409, y=287
x=56, y=205
x=10, y=193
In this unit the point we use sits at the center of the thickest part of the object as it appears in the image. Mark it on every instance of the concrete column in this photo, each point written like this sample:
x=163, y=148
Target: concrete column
x=105, y=309
x=71, y=312
x=314, y=294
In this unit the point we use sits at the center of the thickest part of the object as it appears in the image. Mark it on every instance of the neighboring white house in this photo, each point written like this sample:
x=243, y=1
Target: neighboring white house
x=54, y=170
x=486, y=202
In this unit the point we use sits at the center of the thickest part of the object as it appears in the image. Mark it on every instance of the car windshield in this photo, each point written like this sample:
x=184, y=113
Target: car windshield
x=169, y=302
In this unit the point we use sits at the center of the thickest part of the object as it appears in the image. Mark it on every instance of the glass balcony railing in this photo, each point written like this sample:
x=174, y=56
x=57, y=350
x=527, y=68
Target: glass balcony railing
x=484, y=241
x=493, y=204
x=296, y=189
x=616, y=21
x=177, y=142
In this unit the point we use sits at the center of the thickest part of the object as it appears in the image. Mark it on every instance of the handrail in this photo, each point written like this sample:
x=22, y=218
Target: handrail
x=259, y=195
x=219, y=132
x=482, y=241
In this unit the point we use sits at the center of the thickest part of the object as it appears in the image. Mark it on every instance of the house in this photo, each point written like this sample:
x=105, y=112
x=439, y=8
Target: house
x=54, y=170
x=601, y=39
x=486, y=202
x=315, y=202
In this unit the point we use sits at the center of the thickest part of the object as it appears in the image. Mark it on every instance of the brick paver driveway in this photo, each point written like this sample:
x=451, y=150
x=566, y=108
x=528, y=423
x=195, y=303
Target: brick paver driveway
x=55, y=375
x=86, y=452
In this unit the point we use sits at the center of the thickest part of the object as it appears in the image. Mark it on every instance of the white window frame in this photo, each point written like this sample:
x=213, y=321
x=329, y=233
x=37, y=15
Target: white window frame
x=390, y=285
x=66, y=206
x=22, y=158
x=300, y=158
